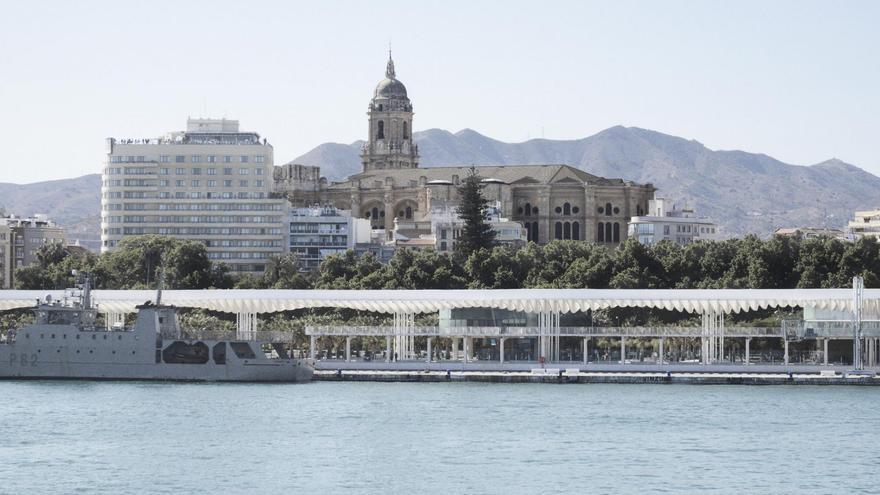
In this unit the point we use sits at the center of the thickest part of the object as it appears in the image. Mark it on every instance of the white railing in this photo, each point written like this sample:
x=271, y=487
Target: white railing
x=354, y=331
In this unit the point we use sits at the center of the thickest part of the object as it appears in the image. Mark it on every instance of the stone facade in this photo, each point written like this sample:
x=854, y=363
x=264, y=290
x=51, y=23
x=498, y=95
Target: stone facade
x=551, y=201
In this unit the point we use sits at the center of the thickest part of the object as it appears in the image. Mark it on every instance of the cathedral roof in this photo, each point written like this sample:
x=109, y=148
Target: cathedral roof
x=510, y=174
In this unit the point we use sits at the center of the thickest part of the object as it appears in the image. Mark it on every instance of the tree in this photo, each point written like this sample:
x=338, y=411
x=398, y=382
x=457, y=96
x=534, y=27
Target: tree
x=476, y=233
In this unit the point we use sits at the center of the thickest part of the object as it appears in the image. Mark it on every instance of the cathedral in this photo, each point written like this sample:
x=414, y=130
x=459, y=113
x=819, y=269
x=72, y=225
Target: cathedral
x=550, y=201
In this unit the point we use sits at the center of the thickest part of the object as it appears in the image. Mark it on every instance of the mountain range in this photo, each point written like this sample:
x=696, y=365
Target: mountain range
x=743, y=192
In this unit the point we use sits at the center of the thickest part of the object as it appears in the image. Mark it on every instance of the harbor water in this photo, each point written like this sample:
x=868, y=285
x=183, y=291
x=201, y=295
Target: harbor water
x=439, y=438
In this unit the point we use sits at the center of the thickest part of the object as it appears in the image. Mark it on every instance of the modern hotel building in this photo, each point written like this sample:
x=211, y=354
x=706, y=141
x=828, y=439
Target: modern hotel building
x=211, y=183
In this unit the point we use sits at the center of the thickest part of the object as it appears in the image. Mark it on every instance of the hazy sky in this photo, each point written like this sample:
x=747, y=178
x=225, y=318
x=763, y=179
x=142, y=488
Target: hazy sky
x=796, y=80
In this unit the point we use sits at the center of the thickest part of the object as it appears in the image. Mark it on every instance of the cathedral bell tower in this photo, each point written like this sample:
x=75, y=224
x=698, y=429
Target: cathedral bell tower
x=389, y=145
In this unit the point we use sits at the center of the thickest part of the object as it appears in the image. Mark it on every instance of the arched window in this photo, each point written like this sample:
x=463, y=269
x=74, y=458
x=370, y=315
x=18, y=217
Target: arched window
x=600, y=233
x=566, y=230
x=558, y=231
x=576, y=231
x=638, y=210
x=528, y=227
x=616, y=232
x=607, y=208
x=608, y=236
x=381, y=133
x=409, y=212
x=535, y=231
x=405, y=131
x=566, y=209
x=528, y=209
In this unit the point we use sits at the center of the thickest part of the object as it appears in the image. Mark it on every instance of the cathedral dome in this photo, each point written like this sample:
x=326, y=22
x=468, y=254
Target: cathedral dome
x=390, y=87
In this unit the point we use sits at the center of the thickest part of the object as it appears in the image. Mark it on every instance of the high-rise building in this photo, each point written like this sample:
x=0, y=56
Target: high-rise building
x=865, y=224
x=211, y=183
x=5, y=257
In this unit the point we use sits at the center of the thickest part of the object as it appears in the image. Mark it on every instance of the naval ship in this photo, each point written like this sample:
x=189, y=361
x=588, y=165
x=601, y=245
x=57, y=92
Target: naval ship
x=65, y=342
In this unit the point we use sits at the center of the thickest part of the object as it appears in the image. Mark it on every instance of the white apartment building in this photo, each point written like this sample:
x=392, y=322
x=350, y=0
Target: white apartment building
x=678, y=226
x=865, y=224
x=211, y=183
x=319, y=231
x=446, y=227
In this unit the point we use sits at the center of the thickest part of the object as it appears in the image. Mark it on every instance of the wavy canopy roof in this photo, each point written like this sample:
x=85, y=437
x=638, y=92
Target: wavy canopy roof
x=426, y=301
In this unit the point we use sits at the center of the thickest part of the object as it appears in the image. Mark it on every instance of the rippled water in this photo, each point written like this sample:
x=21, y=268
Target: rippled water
x=444, y=438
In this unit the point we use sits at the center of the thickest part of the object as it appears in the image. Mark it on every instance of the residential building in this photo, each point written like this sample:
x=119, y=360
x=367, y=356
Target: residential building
x=665, y=222
x=317, y=232
x=550, y=201
x=865, y=224
x=211, y=183
x=446, y=227
x=21, y=240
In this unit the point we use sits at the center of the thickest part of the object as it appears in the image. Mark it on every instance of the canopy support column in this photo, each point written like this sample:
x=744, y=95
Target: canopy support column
x=748, y=350
x=712, y=337
x=404, y=341
x=348, y=349
x=388, y=349
x=661, y=356
x=622, y=349
x=312, y=339
x=786, y=350
x=586, y=350
x=825, y=352
x=501, y=349
x=114, y=320
x=429, y=349
x=548, y=341
x=246, y=326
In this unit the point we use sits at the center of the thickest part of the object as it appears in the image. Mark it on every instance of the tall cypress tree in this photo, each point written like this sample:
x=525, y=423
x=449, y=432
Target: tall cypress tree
x=477, y=233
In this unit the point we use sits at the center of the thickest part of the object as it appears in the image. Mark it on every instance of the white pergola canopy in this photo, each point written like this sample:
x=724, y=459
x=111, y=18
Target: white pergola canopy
x=428, y=301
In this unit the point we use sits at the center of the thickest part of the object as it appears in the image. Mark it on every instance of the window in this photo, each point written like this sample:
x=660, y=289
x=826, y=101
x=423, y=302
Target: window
x=259, y=159
x=197, y=171
x=227, y=183
x=164, y=159
x=180, y=183
x=666, y=230
x=557, y=230
x=258, y=183
x=212, y=183
x=227, y=171
x=244, y=158
x=196, y=159
x=616, y=232
x=566, y=209
x=212, y=159
x=566, y=230
x=616, y=210
x=212, y=171
x=380, y=134
x=576, y=231
x=243, y=171
x=409, y=213
x=575, y=210
x=163, y=183
x=180, y=171
x=405, y=130
x=164, y=171
x=258, y=171
x=242, y=183
x=608, y=210
x=179, y=159
x=196, y=183
x=528, y=209
x=227, y=159
x=600, y=233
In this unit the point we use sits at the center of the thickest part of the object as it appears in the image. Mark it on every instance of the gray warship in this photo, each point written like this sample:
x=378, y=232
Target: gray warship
x=65, y=342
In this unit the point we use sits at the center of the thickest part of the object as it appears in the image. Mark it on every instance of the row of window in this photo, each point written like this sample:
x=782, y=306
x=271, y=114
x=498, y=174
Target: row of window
x=192, y=219
x=567, y=230
x=209, y=183
x=608, y=232
x=183, y=195
x=194, y=207
x=192, y=231
x=239, y=256
x=192, y=158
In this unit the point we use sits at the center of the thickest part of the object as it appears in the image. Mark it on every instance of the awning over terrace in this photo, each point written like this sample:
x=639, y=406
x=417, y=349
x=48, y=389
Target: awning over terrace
x=428, y=301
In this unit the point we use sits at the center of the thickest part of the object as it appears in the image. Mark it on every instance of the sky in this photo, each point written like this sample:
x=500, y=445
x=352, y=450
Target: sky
x=796, y=80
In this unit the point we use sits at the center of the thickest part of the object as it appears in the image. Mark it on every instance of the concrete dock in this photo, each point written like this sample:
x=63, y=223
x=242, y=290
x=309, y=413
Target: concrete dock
x=658, y=374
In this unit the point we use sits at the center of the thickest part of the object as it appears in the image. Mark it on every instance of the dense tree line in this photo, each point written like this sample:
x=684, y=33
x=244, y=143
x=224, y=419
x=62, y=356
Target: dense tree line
x=749, y=262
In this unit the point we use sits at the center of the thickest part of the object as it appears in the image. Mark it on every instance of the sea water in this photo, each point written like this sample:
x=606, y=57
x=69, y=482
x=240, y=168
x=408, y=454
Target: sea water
x=436, y=438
